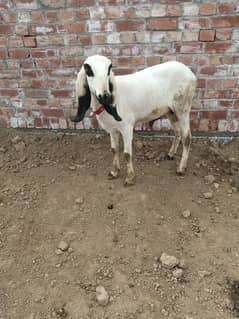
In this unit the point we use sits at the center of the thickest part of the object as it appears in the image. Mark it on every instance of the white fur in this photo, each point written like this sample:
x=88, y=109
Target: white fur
x=163, y=89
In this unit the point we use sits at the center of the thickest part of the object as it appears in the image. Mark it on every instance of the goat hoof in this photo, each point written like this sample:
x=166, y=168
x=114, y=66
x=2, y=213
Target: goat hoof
x=113, y=175
x=180, y=173
x=129, y=182
x=170, y=157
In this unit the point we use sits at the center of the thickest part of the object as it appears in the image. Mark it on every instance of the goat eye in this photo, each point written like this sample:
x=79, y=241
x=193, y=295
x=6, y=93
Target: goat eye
x=88, y=70
x=109, y=68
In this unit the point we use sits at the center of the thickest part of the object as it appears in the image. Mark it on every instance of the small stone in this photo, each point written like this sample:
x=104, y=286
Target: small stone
x=58, y=251
x=182, y=264
x=216, y=185
x=208, y=195
x=110, y=206
x=210, y=179
x=186, y=213
x=16, y=139
x=232, y=160
x=79, y=200
x=115, y=238
x=72, y=168
x=20, y=147
x=102, y=296
x=169, y=261
x=217, y=210
x=204, y=273
x=61, y=313
x=63, y=245
x=178, y=273
x=3, y=149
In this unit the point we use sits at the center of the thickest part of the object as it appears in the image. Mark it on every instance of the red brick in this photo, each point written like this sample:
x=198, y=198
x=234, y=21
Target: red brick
x=30, y=42
x=9, y=17
x=83, y=13
x=3, y=41
x=212, y=94
x=38, y=122
x=226, y=8
x=5, y=30
x=18, y=53
x=217, y=47
x=204, y=125
x=8, y=92
x=194, y=47
x=21, y=29
x=3, y=53
x=112, y=12
x=209, y=70
x=224, y=103
x=174, y=10
x=36, y=93
x=207, y=8
x=213, y=125
x=129, y=25
x=61, y=93
x=138, y=60
x=161, y=24
x=235, y=93
x=235, y=114
x=222, y=83
x=185, y=58
x=174, y=1
x=53, y=112
x=66, y=15
x=112, y=2
x=75, y=27
x=99, y=38
x=214, y=115
x=223, y=34
x=129, y=13
x=26, y=4
x=32, y=73
x=153, y=60
x=52, y=16
x=207, y=35
x=225, y=21
x=233, y=126
x=194, y=124
x=201, y=83
x=37, y=17
x=85, y=40
x=81, y=3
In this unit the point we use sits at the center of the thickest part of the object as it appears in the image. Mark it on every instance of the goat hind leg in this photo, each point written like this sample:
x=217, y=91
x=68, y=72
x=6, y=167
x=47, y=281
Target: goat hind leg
x=186, y=141
x=176, y=140
x=114, y=138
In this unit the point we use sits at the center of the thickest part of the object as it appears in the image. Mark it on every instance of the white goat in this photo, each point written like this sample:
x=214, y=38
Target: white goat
x=120, y=101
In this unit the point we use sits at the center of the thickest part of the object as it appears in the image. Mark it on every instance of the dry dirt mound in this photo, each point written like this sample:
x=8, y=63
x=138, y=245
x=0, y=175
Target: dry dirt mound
x=76, y=245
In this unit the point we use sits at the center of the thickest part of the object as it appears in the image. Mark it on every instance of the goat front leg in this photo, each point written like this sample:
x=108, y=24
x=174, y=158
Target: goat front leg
x=114, y=138
x=127, y=135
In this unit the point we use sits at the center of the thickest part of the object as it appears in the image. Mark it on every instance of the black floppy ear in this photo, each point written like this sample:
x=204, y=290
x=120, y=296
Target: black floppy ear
x=83, y=95
x=109, y=69
x=88, y=70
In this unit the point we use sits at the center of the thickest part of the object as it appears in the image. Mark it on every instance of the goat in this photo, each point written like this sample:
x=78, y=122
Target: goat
x=120, y=101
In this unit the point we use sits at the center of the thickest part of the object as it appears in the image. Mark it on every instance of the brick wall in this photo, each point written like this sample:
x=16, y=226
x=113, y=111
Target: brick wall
x=44, y=42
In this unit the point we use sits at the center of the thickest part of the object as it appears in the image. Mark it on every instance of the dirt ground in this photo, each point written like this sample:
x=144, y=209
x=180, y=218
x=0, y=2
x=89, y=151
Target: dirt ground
x=65, y=229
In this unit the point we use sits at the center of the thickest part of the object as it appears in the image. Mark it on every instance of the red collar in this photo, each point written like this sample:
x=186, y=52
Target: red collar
x=100, y=109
